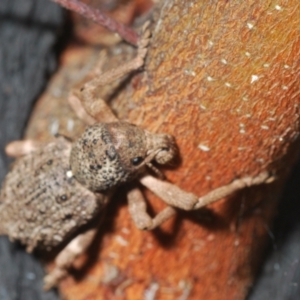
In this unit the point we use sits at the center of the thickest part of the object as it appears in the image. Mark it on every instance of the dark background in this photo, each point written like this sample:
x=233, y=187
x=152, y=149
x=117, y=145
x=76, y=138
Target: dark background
x=279, y=278
x=31, y=33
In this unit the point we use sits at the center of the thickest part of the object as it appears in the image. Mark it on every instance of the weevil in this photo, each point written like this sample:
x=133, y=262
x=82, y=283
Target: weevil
x=54, y=189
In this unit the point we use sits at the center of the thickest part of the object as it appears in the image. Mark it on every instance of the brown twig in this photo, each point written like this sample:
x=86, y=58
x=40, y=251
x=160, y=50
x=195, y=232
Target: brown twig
x=127, y=33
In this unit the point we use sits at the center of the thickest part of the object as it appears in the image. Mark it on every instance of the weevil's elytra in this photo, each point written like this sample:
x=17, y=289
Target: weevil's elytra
x=40, y=204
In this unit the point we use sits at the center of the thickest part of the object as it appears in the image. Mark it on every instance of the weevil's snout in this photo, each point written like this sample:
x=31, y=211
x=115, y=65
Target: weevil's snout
x=162, y=147
x=165, y=155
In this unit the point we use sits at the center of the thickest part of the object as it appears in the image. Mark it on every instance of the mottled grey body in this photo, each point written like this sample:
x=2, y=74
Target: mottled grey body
x=41, y=204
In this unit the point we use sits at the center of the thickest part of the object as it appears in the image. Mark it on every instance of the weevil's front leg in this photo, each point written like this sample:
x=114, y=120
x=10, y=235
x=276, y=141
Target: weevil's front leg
x=176, y=197
x=20, y=148
x=76, y=99
x=77, y=107
x=67, y=256
x=137, y=209
x=95, y=107
x=91, y=111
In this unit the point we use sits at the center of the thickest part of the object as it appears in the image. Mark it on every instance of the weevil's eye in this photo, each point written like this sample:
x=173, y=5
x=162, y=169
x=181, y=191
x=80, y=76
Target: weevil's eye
x=136, y=160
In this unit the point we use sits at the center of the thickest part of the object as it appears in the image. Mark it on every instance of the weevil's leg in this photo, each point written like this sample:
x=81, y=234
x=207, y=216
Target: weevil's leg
x=176, y=197
x=91, y=110
x=234, y=186
x=66, y=257
x=77, y=107
x=137, y=209
x=75, y=100
x=19, y=148
x=97, y=70
x=169, y=193
x=97, y=108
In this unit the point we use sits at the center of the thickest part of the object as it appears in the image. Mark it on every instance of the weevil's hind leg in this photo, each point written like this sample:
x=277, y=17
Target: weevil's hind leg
x=97, y=108
x=137, y=209
x=67, y=256
x=176, y=197
x=20, y=148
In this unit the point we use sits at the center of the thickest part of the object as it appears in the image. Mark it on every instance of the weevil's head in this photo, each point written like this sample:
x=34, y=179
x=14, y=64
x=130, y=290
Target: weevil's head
x=108, y=154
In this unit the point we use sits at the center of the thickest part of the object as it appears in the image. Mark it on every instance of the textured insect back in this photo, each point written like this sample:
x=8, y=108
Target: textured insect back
x=108, y=154
x=41, y=203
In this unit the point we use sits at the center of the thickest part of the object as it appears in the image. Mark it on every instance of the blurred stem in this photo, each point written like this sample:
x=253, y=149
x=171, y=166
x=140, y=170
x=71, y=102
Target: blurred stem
x=127, y=33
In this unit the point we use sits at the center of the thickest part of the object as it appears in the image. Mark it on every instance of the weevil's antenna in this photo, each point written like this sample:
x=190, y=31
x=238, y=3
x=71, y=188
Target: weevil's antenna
x=155, y=170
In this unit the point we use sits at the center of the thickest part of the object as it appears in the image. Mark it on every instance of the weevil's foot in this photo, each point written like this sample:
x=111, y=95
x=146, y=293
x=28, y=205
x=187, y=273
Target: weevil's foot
x=53, y=278
x=264, y=177
x=144, y=40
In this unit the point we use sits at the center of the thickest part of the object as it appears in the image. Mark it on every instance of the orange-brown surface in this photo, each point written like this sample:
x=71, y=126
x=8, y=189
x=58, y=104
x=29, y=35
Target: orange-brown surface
x=223, y=78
